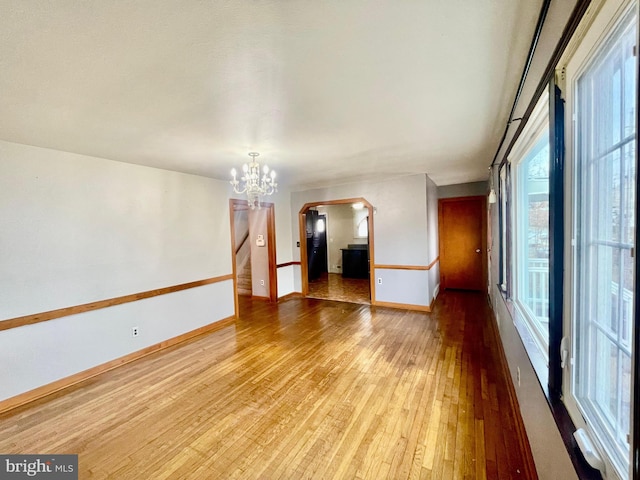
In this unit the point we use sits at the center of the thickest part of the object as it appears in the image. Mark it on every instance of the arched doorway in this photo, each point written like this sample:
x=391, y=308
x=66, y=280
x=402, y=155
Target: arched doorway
x=357, y=256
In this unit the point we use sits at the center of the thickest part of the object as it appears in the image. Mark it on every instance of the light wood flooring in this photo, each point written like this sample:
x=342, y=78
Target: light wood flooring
x=333, y=286
x=303, y=389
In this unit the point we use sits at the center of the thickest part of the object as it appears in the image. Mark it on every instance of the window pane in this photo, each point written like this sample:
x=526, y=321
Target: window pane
x=363, y=228
x=629, y=192
x=625, y=400
x=533, y=214
x=629, y=93
x=503, y=227
x=608, y=206
x=605, y=234
x=604, y=383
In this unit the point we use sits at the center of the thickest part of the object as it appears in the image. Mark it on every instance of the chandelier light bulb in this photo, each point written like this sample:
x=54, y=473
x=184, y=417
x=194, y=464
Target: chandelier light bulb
x=233, y=172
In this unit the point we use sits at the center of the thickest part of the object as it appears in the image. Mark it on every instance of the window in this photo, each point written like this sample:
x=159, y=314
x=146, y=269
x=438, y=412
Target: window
x=361, y=222
x=504, y=261
x=604, y=89
x=530, y=157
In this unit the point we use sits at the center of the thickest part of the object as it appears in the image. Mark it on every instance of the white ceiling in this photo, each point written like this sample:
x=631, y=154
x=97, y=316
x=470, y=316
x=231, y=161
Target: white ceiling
x=327, y=91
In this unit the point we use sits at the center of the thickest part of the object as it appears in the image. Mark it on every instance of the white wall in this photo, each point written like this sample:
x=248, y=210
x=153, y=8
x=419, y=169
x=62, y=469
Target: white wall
x=463, y=190
x=434, y=239
x=259, y=254
x=400, y=221
x=77, y=229
x=284, y=243
x=401, y=232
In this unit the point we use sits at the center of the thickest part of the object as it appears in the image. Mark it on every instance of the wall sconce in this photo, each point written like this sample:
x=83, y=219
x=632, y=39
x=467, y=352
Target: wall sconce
x=493, y=198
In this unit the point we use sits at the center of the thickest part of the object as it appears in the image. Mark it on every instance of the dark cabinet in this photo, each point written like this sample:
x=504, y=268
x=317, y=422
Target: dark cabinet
x=355, y=261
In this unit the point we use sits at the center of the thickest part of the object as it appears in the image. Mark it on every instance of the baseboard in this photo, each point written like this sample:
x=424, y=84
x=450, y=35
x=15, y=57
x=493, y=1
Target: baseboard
x=43, y=391
x=436, y=291
x=403, y=306
x=289, y=296
x=260, y=297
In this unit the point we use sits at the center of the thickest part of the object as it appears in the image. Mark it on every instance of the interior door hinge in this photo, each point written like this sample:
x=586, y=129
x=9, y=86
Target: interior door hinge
x=633, y=252
x=635, y=50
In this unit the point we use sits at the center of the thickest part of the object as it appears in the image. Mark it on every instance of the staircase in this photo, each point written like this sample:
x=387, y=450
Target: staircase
x=244, y=279
x=243, y=267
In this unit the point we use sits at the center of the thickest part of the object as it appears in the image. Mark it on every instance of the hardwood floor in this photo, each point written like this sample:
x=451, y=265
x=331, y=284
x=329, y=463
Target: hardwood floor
x=303, y=389
x=333, y=286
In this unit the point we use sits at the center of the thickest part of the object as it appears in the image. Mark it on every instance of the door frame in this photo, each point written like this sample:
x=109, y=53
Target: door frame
x=483, y=234
x=302, y=222
x=237, y=204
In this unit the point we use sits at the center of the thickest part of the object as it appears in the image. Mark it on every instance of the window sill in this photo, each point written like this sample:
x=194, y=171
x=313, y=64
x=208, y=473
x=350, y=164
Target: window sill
x=536, y=357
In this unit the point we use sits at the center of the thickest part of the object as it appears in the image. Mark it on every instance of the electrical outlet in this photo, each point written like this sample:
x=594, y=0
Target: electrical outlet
x=135, y=331
x=379, y=280
x=518, y=375
x=262, y=282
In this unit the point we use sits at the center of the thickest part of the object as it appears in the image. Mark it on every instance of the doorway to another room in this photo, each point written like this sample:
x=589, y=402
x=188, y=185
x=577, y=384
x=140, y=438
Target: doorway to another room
x=335, y=250
x=253, y=252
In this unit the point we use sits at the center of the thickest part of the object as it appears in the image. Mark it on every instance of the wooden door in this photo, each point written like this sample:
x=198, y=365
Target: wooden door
x=463, y=243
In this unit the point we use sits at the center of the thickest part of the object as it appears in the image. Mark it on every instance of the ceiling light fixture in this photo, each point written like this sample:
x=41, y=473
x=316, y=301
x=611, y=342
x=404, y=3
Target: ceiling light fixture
x=254, y=182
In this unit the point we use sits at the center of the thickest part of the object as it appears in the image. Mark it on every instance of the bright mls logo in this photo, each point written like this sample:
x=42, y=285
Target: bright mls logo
x=50, y=467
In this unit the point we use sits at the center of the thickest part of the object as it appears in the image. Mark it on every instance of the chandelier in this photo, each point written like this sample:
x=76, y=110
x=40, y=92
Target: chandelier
x=254, y=182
